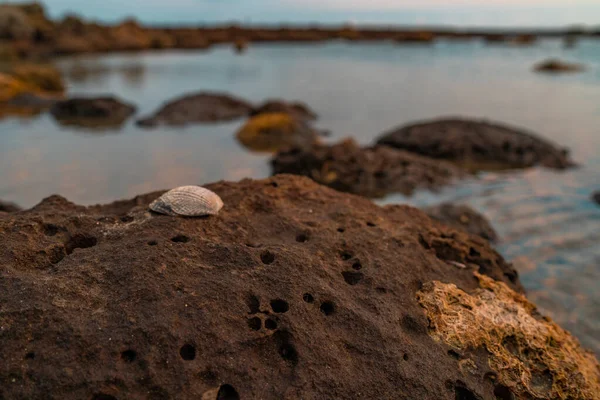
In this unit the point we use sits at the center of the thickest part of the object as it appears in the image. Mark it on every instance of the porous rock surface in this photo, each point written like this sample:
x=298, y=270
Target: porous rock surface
x=292, y=291
x=461, y=216
x=368, y=171
x=477, y=144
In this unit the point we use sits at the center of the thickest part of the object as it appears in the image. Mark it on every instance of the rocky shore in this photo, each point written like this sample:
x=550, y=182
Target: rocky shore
x=292, y=291
x=27, y=32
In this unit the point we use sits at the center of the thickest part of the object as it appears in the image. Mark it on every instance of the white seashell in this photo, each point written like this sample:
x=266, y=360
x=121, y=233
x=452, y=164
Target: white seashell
x=189, y=201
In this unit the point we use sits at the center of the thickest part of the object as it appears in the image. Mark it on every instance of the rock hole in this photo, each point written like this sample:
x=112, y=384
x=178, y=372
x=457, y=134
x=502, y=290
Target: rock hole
x=327, y=307
x=255, y=323
x=187, y=352
x=180, y=239
x=128, y=356
x=280, y=306
x=271, y=324
x=357, y=266
x=502, y=392
x=152, y=243
x=405, y=357
x=227, y=392
x=308, y=298
x=80, y=241
x=461, y=392
x=50, y=229
x=267, y=257
x=371, y=224
x=126, y=218
x=345, y=255
x=473, y=252
x=302, y=238
x=274, y=184
x=253, y=304
x=454, y=354
x=341, y=230
x=30, y=356
x=352, y=278
x=103, y=396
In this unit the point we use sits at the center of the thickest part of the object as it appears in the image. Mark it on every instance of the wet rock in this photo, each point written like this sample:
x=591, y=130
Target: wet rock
x=596, y=197
x=295, y=109
x=369, y=171
x=463, y=217
x=92, y=112
x=274, y=131
x=557, y=66
x=292, y=291
x=477, y=144
x=9, y=207
x=203, y=107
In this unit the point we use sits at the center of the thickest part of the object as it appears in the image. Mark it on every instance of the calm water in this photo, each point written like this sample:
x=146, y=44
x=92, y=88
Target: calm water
x=549, y=227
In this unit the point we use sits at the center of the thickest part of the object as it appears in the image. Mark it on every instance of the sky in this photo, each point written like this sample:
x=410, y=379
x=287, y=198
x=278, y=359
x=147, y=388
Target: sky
x=508, y=13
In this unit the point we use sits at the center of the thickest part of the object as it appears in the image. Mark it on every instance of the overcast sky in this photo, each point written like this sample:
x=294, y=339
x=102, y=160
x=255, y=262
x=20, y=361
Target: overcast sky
x=412, y=12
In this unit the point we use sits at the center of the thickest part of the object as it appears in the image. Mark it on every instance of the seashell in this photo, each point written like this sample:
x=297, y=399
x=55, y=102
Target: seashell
x=189, y=201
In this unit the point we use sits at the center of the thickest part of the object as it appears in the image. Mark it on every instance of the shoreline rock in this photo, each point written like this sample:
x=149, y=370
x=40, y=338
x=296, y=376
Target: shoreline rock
x=202, y=107
x=369, y=171
x=293, y=287
x=296, y=109
x=463, y=217
x=477, y=144
x=93, y=112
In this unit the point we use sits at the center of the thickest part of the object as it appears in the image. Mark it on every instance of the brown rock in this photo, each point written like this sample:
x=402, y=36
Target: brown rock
x=275, y=131
x=199, y=108
x=14, y=23
x=292, y=291
x=463, y=217
x=295, y=109
x=477, y=145
x=557, y=66
x=39, y=77
x=92, y=112
x=371, y=171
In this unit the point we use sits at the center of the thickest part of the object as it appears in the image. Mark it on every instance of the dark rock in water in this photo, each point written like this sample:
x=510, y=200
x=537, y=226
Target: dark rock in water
x=272, y=132
x=463, y=217
x=371, y=171
x=557, y=66
x=8, y=207
x=596, y=197
x=477, y=145
x=293, y=291
x=199, y=108
x=296, y=109
x=92, y=112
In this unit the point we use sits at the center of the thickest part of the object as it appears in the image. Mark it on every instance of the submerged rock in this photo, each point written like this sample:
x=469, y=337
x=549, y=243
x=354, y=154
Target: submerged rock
x=477, y=144
x=292, y=291
x=463, y=217
x=295, y=109
x=92, y=112
x=274, y=131
x=557, y=66
x=199, y=108
x=369, y=171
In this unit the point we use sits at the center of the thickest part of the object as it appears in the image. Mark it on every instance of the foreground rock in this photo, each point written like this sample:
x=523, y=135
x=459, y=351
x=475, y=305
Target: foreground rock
x=199, y=108
x=292, y=291
x=557, y=66
x=92, y=112
x=295, y=109
x=274, y=131
x=463, y=217
x=6, y=207
x=477, y=144
x=372, y=171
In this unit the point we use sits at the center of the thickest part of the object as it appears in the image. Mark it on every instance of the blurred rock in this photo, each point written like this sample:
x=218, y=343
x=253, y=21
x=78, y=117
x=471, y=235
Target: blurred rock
x=92, y=112
x=295, y=109
x=557, y=66
x=272, y=132
x=463, y=217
